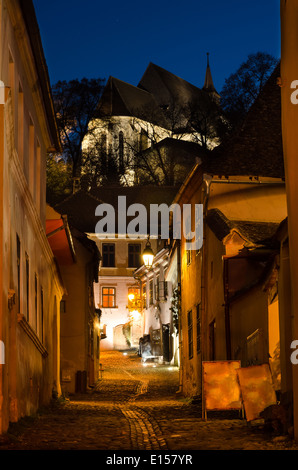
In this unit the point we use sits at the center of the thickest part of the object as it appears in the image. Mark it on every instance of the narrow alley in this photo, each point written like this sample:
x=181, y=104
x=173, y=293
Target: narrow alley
x=135, y=406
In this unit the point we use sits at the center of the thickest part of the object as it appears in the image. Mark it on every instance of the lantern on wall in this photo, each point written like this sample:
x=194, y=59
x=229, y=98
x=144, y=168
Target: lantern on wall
x=148, y=255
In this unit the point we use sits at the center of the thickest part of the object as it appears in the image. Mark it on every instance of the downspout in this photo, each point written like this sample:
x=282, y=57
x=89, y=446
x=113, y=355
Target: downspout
x=207, y=181
x=179, y=316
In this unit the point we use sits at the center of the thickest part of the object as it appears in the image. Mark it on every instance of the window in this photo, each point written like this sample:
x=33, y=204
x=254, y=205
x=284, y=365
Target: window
x=144, y=295
x=190, y=334
x=19, y=274
x=198, y=319
x=108, y=297
x=32, y=157
x=108, y=255
x=62, y=306
x=135, y=291
x=103, y=150
x=38, y=177
x=134, y=255
x=143, y=140
x=121, y=150
x=20, y=132
x=157, y=288
x=161, y=290
x=151, y=292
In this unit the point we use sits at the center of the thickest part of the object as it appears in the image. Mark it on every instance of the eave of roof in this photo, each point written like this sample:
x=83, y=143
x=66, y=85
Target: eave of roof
x=29, y=15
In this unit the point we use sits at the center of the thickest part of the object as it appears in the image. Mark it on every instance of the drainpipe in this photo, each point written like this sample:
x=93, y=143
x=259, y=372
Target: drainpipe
x=179, y=316
x=227, y=310
x=207, y=180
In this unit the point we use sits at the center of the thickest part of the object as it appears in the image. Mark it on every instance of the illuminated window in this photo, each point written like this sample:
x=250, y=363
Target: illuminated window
x=134, y=255
x=143, y=140
x=108, y=297
x=108, y=255
x=135, y=291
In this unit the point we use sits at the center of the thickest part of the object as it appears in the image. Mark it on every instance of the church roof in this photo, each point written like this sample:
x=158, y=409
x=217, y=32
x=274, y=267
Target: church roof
x=255, y=149
x=122, y=99
x=166, y=87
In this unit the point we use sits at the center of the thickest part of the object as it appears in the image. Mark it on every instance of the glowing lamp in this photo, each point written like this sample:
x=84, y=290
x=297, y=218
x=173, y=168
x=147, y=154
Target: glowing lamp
x=131, y=297
x=148, y=255
x=135, y=315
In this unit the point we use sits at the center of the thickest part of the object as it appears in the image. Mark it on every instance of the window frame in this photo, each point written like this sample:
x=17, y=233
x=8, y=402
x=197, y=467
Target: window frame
x=134, y=254
x=109, y=254
x=108, y=295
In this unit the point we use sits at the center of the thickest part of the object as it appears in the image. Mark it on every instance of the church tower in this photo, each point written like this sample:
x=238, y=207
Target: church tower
x=209, y=85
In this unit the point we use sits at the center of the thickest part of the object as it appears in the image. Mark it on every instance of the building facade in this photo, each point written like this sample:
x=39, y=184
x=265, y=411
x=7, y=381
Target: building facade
x=156, y=293
x=78, y=260
x=229, y=303
x=31, y=284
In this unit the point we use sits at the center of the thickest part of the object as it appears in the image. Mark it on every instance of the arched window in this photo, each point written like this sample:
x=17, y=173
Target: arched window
x=121, y=149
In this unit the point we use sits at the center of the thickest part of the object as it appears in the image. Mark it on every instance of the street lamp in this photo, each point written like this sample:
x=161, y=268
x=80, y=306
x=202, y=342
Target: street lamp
x=148, y=255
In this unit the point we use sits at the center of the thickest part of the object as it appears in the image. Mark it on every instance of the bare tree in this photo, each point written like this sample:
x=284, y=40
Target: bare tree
x=76, y=106
x=242, y=87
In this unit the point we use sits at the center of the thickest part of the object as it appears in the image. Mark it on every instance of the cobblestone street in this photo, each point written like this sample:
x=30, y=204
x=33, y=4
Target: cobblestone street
x=135, y=407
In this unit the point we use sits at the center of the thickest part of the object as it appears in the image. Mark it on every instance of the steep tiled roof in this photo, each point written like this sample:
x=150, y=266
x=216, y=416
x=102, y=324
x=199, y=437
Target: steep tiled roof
x=164, y=86
x=256, y=232
x=256, y=148
x=122, y=99
x=43, y=83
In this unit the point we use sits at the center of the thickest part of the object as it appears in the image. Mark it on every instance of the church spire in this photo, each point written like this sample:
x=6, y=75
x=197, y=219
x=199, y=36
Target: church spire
x=209, y=85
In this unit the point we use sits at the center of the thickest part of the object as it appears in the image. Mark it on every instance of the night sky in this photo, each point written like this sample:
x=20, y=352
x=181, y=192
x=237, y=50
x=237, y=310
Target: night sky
x=97, y=39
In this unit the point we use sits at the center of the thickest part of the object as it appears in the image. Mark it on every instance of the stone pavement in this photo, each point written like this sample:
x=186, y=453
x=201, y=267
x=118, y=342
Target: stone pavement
x=136, y=407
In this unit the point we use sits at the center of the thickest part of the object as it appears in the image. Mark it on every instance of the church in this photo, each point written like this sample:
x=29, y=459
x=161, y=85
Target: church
x=152, y=133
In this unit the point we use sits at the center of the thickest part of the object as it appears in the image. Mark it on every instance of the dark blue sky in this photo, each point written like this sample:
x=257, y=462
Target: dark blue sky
x=96, y=39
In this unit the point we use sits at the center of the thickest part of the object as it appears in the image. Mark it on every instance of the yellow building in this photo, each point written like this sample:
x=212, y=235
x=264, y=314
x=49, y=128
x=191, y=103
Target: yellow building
x=31, y=288
x=288, y=84
x=228, y=306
